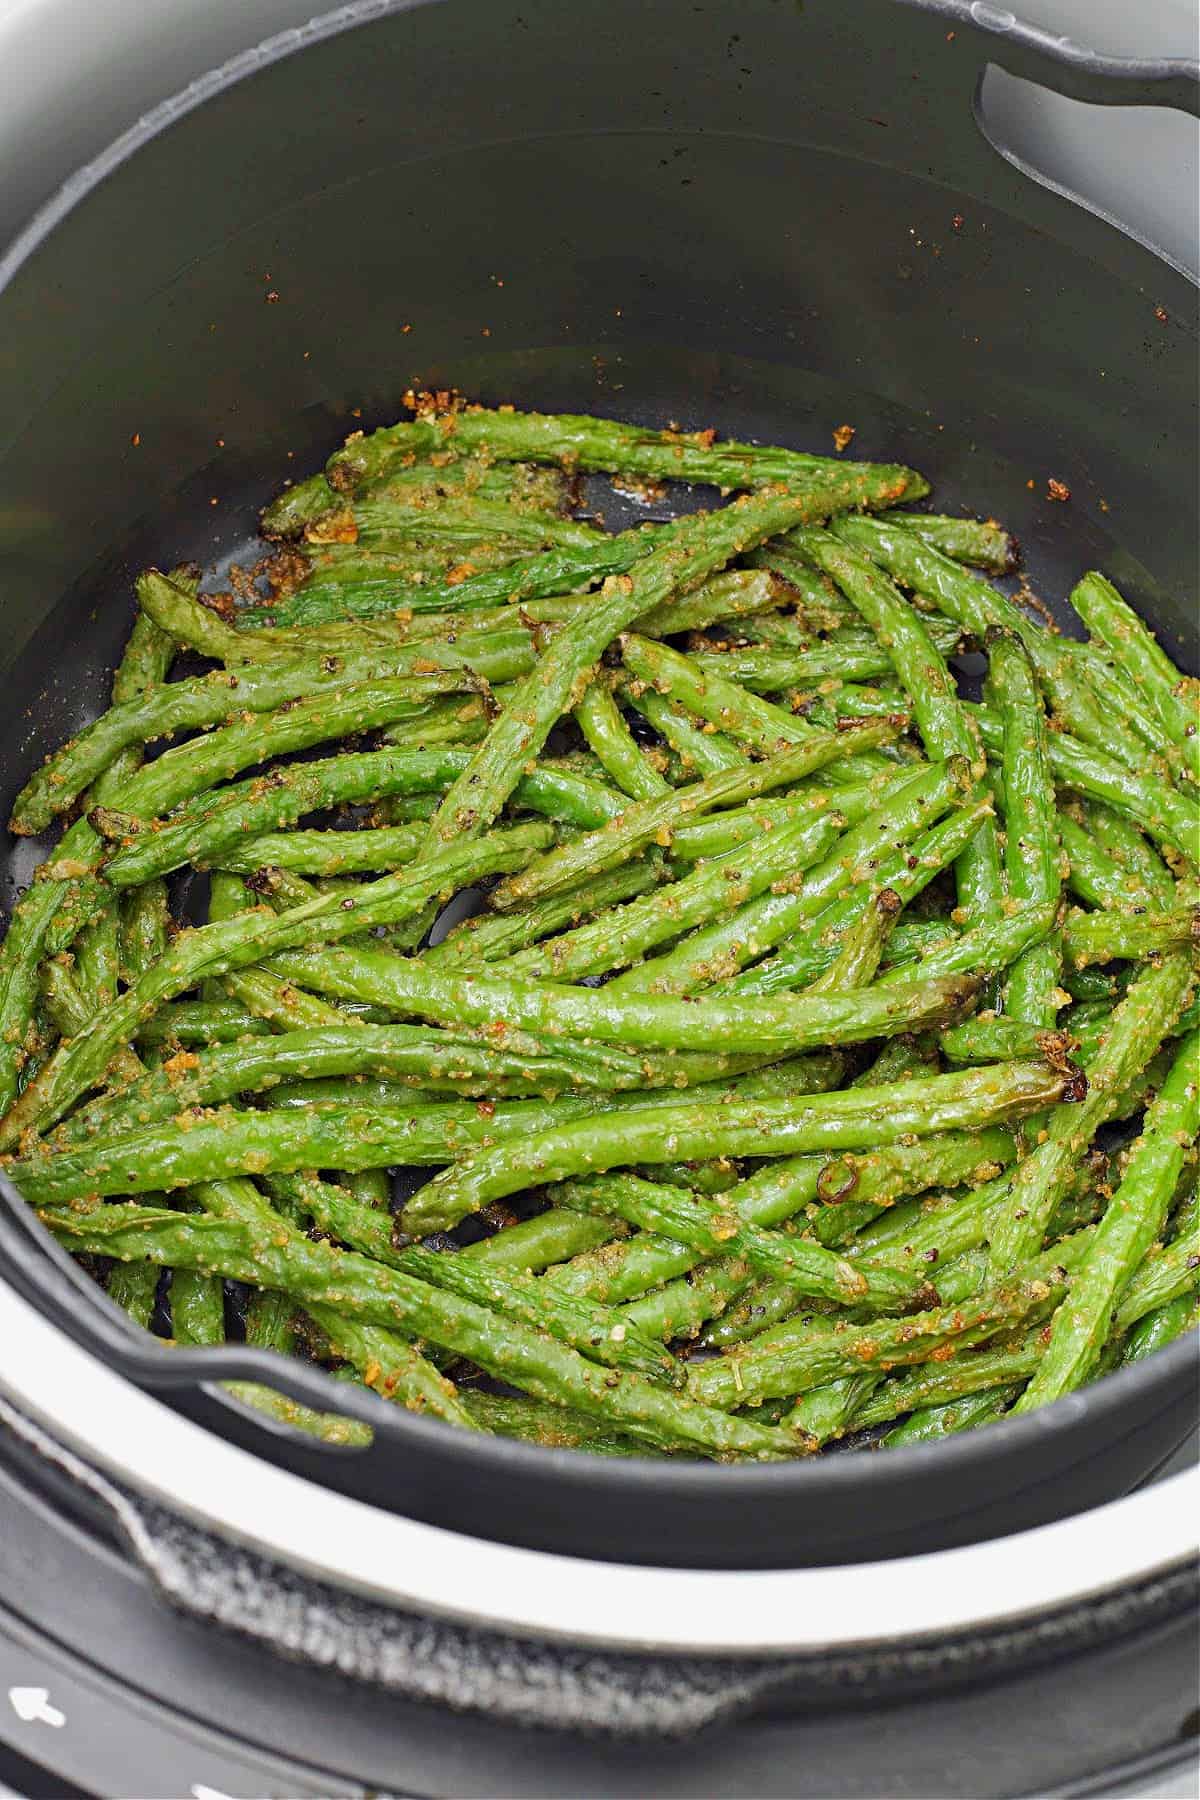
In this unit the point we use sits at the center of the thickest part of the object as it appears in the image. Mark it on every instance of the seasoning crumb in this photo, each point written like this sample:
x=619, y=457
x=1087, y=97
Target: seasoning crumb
x=1057, y=490
x=842, y=436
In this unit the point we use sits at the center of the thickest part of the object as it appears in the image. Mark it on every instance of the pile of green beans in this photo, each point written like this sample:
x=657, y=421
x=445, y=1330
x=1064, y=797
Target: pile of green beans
x=819, y=1052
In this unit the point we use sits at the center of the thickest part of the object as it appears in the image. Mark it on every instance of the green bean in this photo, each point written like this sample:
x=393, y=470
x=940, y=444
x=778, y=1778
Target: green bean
x=144, y=921
x=1165, y=1274
x=854, y=1120
x=992, y=1038
x=369, y=1187
x=595, y=1330
x=223, y=1143
x=812, y=938
x=847, y=655
x=654, y=820
x=189, y=769
x=329, y=1427
x=861, y=949
x=723, y=1025
x=348, y=1125
x=731, y=595
x=1117, y=696
x=71, y=1012
x=1032, y=854
x=517, y=484
x=976, y=606
x=1006, y=1365
x=806, y=1353
x=214, y=949
x=488, y=937
x=1121, y=837
x=766, y=728
x=1155, y=1330
x=1139, y=655
x=616, y=939
x=704, y=751
x=326, y=852
x=704, y=542
x=1186, y=1216
x=390, y=520
x=21, y=953
x=1106, y=936
x=383, y=1360
x=550, y=1237
x=899, y=1058
x=282, y=1007
x=1095, y=986
x=200, y=1022
x=182, y=619
x=1134, y=1218
x=923, y=674
x=983, y=545
x=145, y=662
x=816, y=601
x=134, y=1285
x=409, y=1054
x=770, y=1197
x=971, y=602
x=371, y=1294
x=579, y=442
x=553, y=1427
x=1168, y=816
x=1144, y=1018
x=258, y=688
x=599, y=719
x=1189, y=1020
x=720, y=1302
x=432, y=588
x=873, y=851
x=719, y=833
x=270, y=1317
x=930, y=1423
x=711, y=1228
x=987, y=949
x=1076, y=699
x=197, y=1308
x=1093, y=874
x=828, y=1412
x=200, y=833
x=342, y=579
x=451, y=721
x=97, y=958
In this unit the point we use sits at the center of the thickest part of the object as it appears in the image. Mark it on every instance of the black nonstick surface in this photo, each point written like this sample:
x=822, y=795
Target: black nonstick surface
x=772, y=223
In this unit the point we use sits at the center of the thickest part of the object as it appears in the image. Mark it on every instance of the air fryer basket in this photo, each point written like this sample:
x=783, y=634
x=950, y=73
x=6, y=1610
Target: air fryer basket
x=772, y=222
